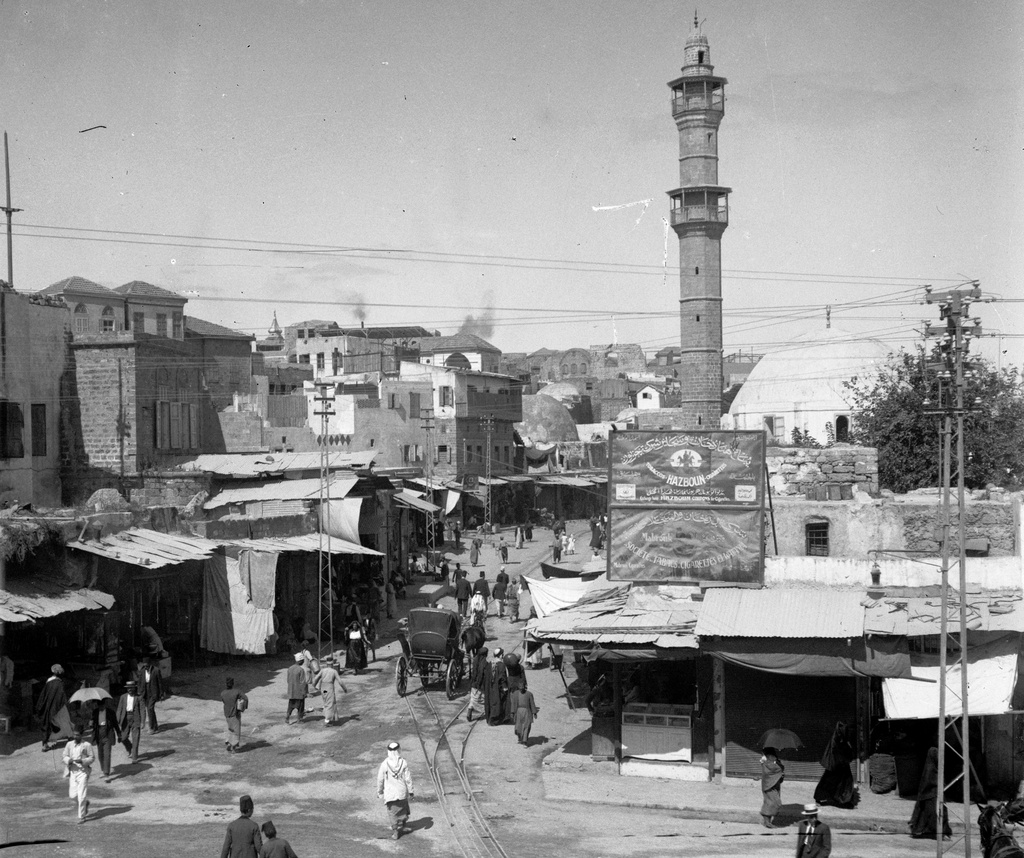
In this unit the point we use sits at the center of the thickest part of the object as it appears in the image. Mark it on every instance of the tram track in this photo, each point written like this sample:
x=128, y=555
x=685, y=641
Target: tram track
x=443, y=740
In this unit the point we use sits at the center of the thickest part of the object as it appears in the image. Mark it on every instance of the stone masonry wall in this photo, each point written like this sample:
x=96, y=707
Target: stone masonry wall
x=105, y=377
x=822, y=474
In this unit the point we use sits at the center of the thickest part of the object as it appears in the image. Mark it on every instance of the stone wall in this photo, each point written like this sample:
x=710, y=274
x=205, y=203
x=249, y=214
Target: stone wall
x=821, y=474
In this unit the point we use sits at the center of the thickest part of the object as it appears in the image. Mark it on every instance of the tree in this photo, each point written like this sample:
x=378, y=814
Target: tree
x=890, y=416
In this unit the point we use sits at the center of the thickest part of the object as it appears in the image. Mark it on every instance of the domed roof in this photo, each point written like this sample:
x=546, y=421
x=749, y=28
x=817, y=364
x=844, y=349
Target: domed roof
x=809, y=375
x=561, y=391
x=545, y=420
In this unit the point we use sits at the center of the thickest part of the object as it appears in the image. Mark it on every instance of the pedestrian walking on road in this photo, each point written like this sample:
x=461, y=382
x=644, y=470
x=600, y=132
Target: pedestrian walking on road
x=151, y=690
x=242, y=839
x=556, y=549
x=52, y=707
x=503, y=549
x=78, y=760
x=519, y=536
x=298, y=688
x=482, y=588
x=274, y=846
x=474, y=551
x=235, y=703
x=497, y=690
x=772, y=775
x=813, y=837
x=462, y=593
x=512, y=601
x=524, y=709
x=479, y=681
x=129, y=719
x=394, y=786
x=500, y=591
x=103, y=714
x=329, y=681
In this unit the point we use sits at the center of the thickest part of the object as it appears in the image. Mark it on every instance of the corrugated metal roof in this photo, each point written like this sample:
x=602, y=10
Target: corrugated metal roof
x=255, y=464
x=35, y=598
x=781, y=613
x=408, y=499
x=283, y=490
x=304, y=542
x=148, y=548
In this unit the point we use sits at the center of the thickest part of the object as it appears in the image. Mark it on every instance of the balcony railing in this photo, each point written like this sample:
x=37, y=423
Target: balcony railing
x=698, y=101
x=688, y=214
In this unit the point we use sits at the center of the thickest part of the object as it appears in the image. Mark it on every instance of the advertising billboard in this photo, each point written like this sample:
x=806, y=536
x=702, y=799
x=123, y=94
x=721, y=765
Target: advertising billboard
x=686, y=506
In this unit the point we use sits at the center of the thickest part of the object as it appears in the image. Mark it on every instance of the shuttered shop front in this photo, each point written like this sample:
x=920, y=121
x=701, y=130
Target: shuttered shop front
x=810, y=706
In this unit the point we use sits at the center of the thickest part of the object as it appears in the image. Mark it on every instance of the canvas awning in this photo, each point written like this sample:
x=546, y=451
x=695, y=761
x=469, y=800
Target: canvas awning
x=306, y=542
x=991, y=677
x=856, y=656
x=36, y=598
x=148, y=548
x=409, y=500
x=282, y=490
x=555, y=594
x=256, y=464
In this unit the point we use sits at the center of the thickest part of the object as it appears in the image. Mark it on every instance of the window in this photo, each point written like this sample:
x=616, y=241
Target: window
x=414, y=405
x=81, y=319
x=479, y=453
x=161, y=324
x=139, y=322
x=38, y=430
x=320, y=361
x=645, y=395
x=507, y=459
x=12, y=422
x=304, y=358
x=776, y=426
x=392, y=401
x=443, y=454
x=816, y=533
x=107, y=320
x=177, y=326
x=583, y=369
x=175, y=427
x=469, y=453
x=572, y=369
x=842, y=428
x=162, y=425
x=565, y=369
x=447, y=397
x=335, y=362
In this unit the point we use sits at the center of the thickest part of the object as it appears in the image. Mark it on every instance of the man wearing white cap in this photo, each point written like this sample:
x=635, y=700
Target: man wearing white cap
x=298, y=688
x=814, y=838
x=394, y=786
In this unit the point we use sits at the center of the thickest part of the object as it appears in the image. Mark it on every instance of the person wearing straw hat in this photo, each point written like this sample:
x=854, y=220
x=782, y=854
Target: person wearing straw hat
x=78, y=760
x=394, y=787
x=813, y=838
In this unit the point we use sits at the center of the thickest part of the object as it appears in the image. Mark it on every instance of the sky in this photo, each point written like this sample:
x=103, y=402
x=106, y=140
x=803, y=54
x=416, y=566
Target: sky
x=503, y=167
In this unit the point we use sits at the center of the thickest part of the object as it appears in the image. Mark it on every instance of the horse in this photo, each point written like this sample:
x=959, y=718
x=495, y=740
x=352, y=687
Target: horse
x=473, y=638
x=996, y=839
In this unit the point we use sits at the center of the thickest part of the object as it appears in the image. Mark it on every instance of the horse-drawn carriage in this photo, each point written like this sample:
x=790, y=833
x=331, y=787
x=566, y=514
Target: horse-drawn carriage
x=430, y=646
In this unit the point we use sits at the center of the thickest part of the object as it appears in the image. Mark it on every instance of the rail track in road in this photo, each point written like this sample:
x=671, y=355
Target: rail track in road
x=443, y=739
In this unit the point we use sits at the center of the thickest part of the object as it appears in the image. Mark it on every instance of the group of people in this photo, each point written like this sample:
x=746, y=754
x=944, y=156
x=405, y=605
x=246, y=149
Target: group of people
x=306, y=674
x=245, y=839
x=473, y=600
x=498, y=692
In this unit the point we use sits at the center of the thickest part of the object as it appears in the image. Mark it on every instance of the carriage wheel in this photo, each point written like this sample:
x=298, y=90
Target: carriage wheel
x=401, y=675
x=462, y=670
x=452, y=679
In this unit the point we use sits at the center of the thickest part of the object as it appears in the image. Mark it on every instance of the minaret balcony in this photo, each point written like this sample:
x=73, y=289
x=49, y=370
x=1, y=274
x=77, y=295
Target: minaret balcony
x=703, y=94
x=699, y=205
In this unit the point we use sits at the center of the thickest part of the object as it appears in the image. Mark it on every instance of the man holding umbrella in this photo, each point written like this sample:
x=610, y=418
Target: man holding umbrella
x=98, y=706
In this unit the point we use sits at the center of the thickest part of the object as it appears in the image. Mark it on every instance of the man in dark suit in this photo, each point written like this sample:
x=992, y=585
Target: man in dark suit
x=813, y=838
x=151, y=689
x=129, y=718
x=242, y=839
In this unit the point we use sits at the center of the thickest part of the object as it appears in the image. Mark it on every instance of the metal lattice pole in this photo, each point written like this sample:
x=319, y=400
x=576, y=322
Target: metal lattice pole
x=325, y=619
x=489, y=508
x=427, y=415
x=953, y=731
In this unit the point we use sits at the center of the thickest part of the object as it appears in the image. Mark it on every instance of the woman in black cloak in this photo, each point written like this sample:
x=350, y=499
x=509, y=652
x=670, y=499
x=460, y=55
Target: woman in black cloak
x=836, y=784
x=922, y=820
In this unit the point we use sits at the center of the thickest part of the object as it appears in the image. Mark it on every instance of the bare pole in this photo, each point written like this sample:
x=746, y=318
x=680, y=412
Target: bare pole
x=9, y=212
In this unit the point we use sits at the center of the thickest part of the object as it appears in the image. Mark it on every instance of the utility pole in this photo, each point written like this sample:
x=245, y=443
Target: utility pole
x=952, y=373
x=324, y=400
x=489, y=509
x=427, y=417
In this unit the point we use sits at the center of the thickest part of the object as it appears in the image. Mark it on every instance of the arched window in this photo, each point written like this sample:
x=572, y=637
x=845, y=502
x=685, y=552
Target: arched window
x=81, y=319
x=842, y=428
x=583, y=369
x=565, y=369
x=611, y=359
x=457, y=360
x=107, y=320
x=572, y=369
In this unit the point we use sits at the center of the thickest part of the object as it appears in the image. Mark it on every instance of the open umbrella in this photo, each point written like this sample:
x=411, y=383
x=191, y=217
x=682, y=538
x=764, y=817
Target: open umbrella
x=89, y=693
x=780, y=738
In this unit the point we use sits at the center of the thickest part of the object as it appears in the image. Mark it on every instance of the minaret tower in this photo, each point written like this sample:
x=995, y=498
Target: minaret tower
x=699, y=215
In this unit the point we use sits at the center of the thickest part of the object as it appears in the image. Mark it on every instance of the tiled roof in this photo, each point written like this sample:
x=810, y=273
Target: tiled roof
x=202, y=328
x=457, y=343
x=77, y=284
x=140, y=287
